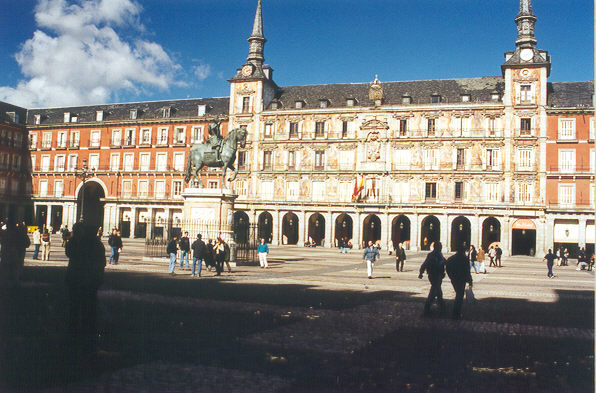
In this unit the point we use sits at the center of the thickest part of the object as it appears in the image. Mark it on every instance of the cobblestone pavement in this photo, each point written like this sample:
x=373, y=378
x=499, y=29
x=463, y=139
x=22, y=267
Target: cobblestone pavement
x=330, y=331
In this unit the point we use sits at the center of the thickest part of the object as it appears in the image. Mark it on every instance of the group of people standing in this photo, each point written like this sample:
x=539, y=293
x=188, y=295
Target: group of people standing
x=477, y=258
x=213, y=254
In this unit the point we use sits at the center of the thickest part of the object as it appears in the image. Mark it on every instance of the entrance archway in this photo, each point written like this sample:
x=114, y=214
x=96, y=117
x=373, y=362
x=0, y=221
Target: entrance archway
x=241, y=225
x=400, y=231
x=92, y=211
x=491, y=232
x=371, y=229
x=460, y=233
x=523, y=237
x=316, y=229
x=265, y=226
x=430, y=232
x=290, y=227
x=343, y=227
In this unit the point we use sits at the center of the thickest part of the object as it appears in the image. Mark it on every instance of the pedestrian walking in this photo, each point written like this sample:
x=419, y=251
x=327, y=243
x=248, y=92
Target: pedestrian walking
x=370, y=255
x=491, y=256
x=113, y=246
x=550, y=261
x=480, y=257
x=220, y=255
x=117, y=244
x=84, y=276
x=198, y=254
x=45, y=245
x=472, y=255
x=263, y=251
x=343, y=245
x=458, y=270
x=498, y=254
x=210, y=255
x=227, y=255
x=582, y=260
x=36, y=243
x=184, y=246
x=65, y=235
x=172, y=250
x=434, y=265
x=400, y=257
x=565, y=257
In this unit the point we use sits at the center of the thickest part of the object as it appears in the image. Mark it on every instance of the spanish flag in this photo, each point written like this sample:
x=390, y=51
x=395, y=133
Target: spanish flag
x=358, y=188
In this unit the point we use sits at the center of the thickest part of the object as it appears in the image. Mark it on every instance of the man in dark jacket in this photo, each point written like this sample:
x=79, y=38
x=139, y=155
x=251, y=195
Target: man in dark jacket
x=198, y=254
x=84, y=276
x=184, y=246
x=458, y=270
x=434, y=265
x=400, y=257
x=172, y=250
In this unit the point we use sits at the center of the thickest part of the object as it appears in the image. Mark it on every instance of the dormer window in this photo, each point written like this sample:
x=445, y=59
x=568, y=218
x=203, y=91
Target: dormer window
x=405, y=99
x=274, y=105
x=74, y=118
x=323, y=103
x=201, y=110
x=37, y=119
x=133, y=114
x=99, y=116
x=465, y=98
x=350, y=102
x=13, y=116
x=67, y=117
x=378, y=102
x=435, y=98
x=494, y=96
x=299, y=104
x=165, y=113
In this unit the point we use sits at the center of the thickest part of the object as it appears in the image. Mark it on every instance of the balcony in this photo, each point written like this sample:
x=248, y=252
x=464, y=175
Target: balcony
x=525, y=133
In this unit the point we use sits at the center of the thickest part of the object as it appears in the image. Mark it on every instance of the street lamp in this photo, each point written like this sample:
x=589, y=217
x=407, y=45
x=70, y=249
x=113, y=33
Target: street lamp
x=83, y=174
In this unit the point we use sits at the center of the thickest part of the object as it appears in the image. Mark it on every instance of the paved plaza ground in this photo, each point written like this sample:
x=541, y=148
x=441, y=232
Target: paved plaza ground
x=312, y=322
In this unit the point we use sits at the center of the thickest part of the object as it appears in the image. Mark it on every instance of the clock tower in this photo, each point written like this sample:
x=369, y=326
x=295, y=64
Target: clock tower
x=526, y=71
x=252, y=88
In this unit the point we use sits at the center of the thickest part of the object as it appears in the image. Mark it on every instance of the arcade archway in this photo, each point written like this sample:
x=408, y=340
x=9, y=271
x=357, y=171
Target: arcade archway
x=90, y=204
x=241, y=227
x=316, y=229
x=290, y=227
x=430, y=232
x=343, y=227
x=265, y=226
x=371, y=229
x=523, y=237
x=491, y=232
x=400, y=231
x=460, y=233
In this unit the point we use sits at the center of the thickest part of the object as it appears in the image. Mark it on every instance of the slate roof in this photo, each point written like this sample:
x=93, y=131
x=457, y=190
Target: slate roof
x=450, y=90
x=5, y=108
x=570, y=94
x=179, y=109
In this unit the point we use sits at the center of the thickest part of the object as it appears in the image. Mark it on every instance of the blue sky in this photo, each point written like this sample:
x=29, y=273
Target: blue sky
x=65, y=52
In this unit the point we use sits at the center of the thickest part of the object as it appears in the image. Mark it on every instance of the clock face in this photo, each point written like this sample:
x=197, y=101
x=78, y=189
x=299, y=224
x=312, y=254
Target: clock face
x=526, y=54
x=247, y=70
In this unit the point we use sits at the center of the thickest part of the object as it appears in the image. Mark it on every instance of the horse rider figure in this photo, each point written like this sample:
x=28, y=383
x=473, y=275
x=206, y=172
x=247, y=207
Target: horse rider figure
x=215, y=138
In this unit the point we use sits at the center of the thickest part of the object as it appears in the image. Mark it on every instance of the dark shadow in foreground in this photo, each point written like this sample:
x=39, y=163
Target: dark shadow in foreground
x=36, y=351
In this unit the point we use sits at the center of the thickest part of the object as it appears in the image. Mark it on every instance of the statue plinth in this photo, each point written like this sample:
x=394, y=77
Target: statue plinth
x=209, y=211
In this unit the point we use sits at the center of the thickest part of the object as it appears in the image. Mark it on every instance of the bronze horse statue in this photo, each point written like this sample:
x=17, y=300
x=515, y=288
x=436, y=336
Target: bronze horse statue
x=201, y=155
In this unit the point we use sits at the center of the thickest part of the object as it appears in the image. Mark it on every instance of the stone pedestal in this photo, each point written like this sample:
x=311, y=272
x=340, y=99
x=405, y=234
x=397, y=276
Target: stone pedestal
x=209, y=211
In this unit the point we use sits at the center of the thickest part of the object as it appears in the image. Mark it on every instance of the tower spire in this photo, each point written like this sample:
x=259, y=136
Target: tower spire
x=257, y=39
x=525, y=21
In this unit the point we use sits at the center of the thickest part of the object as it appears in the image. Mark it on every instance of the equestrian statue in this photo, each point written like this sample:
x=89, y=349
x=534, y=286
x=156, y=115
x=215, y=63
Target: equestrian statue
x=216, y=152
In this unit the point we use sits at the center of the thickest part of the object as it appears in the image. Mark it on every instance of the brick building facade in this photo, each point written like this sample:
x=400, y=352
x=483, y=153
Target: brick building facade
x=463, y=161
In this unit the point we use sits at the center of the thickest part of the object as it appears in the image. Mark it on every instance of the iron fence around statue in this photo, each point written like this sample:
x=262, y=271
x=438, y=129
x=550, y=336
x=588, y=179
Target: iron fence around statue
x=242, y=239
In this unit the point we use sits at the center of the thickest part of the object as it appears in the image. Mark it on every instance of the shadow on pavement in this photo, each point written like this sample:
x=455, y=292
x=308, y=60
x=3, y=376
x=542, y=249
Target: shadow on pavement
x=35, y=351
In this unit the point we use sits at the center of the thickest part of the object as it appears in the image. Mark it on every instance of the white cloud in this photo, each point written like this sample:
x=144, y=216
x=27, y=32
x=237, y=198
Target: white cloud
x=77, y=56
x=202, y=71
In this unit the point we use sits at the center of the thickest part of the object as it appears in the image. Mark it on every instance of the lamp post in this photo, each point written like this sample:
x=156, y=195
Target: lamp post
x=83, y=174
